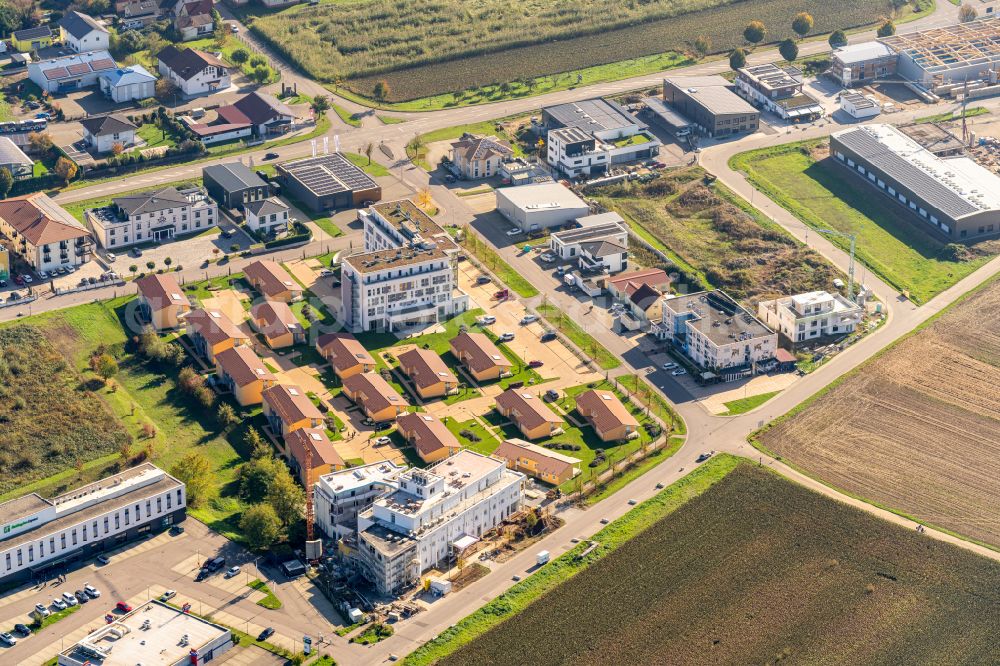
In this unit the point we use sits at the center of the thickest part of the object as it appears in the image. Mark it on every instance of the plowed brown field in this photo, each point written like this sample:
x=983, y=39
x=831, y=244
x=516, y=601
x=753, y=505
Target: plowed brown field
x=918, y=428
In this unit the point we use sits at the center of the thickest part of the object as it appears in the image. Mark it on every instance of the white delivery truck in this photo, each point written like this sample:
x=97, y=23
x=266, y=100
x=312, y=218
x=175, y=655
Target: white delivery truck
x=542, y=557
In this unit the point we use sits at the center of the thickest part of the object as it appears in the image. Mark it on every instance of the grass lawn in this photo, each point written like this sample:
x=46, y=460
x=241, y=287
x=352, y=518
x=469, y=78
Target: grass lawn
x=572, y=330
x=208, y=44
x=154, y=137
x=371, y=168
x=634, y=140
x=269, y=601
x=391, y=120
x=648, y=397
x=482, y=440
x=39, y=169
x=825, y=195
x=953, y=115
x=327, y=225
x=347, y=116
x=744, y=405
x=634, y=472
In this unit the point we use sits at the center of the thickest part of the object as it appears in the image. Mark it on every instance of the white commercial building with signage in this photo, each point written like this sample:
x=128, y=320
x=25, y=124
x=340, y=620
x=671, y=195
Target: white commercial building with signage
x=38, y=534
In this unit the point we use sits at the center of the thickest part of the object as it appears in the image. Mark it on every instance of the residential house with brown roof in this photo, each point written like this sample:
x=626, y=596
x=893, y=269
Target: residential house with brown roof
x=211, y=332
x=288, y=408
x=646, y=305
x=266, y=114
x=611, y=420
x=429, y=437
x=42, y=234
x=430, y=376
x=480, y=356
x=531, y=416
x=536, y=461
x=277, y=323
x=375, y=396
x=243, y=372
x=194, y=72
x=193, y=19
x=272, y=281
x=477, y=157
x=323, y=458
x=346, y=355
x=162, y=301
x=626, y=284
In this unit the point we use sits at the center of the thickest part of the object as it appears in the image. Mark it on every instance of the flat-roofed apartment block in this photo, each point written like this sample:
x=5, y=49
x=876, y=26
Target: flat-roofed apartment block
x=527, y=411
x=953, y=197
x=328, y=182
x=611, y=420
x=433, y=514
x=481, y=358
x=860, y=64
x=345, y=353
x=809, y=316
x=405, y=277
x=375, y=396
x=37, y=533
x=536, y=461
x=42, y=234
x=162, y=301
x=587, y=137
x=288, y=408
x=311, y=448
x=711, y=105
x=243, y=372
x=600, y=244
x=272, y=281
x=156, y=215
x=153, y=633
x=211, y=332
x=429, y=437
x=718, y=335
x=430, y=376
x=779, y=90
x=340, y=495
x=277, y=323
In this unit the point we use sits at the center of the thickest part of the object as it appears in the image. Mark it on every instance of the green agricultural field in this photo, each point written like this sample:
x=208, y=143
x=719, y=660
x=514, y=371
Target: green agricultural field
x=754, y=569
x=891, y=243
x=429, y=47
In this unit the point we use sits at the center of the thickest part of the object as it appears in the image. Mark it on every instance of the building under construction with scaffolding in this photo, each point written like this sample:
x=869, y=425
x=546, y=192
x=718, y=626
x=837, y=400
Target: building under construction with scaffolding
x=941, y=60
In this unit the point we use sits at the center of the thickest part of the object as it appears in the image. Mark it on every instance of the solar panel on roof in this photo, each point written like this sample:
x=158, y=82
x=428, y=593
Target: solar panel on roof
x=103, y=63
x=329, y=174
x=56, y=73
x=78, y=68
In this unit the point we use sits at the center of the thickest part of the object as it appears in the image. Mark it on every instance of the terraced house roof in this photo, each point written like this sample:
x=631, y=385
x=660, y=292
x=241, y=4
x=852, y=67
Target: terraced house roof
x=214, y=326
x=425, y=368
x=243, y=366
x=527, y=410
x=373, y=392
x=161, y=291
x=274, y=318
x=426, y=433
x=545, y=461
x=270, y=278
x=605, y=410
x=343, y=350
x=317, y=441
x=478, y=352
x=291, y=404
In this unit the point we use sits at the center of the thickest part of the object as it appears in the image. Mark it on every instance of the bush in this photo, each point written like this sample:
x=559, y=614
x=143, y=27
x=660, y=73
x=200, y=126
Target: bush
x=469, y=435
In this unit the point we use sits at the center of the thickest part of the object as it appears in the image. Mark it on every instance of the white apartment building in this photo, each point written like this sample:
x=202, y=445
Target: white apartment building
x=157, y=215
x=38, y=533
x=412, y=529
x=406, y=275
x=718, y=335
x=340, y=496
x=815, y=314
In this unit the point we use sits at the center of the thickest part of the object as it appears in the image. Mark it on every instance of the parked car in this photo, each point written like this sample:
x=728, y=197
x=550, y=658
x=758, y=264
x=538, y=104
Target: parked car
x=14, y=296
x=58, y=604
x=3, y=283
x=486, y=320
x=169, y=594
x=449, y=178
x=659, y=486
x=678, y=372
x=123, y=607
x=229, y=233
x=264, y=635
x=176, y=529
x=19, y=280
x=528, y=319
x=270, y=156
x=515, y=385
x=505, y=337
x=703, y=457
x=103, y=559
x=484, y=279
x=232, y=571
x=27, y=278
x=234, y=28
x=669, y=366
x=69, y=599
x=112, y=257
x=632, y=502
x=326, y=272
x=8, y=638
x=548, y=336
x=552, y=394
x=22, y=629
x=604, y=521
x=45, y=274
x=91, y=590
x=514, y=232
x=81, y=596
x=382, y=441
x=548, y=257
x=42, y=610
x=535, y=364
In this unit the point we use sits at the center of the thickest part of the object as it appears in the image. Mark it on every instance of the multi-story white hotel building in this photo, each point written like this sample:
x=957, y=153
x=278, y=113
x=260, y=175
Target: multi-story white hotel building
x=812, y=315
x=37, y=533
x=339, y=496
x=157, y=216
x=717, y=334
x=406, y=274
x=412, y=529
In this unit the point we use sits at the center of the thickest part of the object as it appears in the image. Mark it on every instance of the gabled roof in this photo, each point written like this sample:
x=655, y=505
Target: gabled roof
x=481, y=148
x=214, y=326
x=274, y=318
x=373, y=392
x=233, y=176
x=187, y=63
x=527, y=410
x=291, y=404
x=629, y=282
x=161, y=291
x=270, y=206
x=110, y=124
x=128, y=76
x=425, y=368
x=73, y=65
x=11, y=154
x=604, y=410
x=261, y=108
x=270, y=278
x=546, y=461
x=80, y=25
x=151, y=201
x=40, y=220
x=645, y=296
x=193, y=21
x=243, y=365
x=343, y=350
x=32, y=33
x=478, y=352
x=318, y=443
x=602, y=248
x=426, y=433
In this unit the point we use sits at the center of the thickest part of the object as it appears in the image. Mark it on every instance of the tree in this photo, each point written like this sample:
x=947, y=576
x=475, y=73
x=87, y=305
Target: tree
x=154, y=44
x=788, y=49
x=417, y=148
x=106, y=366
x=239, y=56
x=6, y=182
x=886, y=29
x=381, y=90
x=195, y=470
x=261, y=527
x=260, y=74
x=320, y=104
x=227, y=415
x=702, y=45
x=802, y=24
x=133, y=269
x=40, y=142
x=368, y=149
x=167, y=261
x=259, y=448
x=150, y=264
x=755, y=32
x=837, y=39
x=257, y=60
x=967, y=13
x=65, y=169
x=255, y=477
x=424, y=197
x=737, y=59
x=285, y=496
x=165, y=89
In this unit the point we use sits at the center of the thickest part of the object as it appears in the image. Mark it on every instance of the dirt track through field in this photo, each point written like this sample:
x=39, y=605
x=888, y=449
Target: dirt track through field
x=917, y=429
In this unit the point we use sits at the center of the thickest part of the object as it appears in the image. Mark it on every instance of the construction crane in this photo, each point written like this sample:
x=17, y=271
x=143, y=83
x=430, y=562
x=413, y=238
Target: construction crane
x=310, y=530
x=850, y=270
